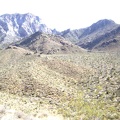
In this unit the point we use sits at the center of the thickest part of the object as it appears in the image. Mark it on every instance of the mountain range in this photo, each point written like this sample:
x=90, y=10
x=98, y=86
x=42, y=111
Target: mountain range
x=16, y=26
x=102, y=35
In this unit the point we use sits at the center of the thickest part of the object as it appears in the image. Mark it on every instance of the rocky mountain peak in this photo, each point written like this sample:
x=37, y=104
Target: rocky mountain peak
x=101, y=24
x=18, y=26
x=105, y=22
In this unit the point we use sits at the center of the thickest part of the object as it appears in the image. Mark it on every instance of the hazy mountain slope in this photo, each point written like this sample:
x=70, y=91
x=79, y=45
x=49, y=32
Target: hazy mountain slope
x=99, y=33
x=72, y=35
x=100, y=26
x=110, y=41
x=48, y=44
x=16, y=26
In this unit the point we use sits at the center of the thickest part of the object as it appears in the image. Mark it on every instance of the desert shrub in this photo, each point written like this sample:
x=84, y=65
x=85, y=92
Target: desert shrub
x=78, y=108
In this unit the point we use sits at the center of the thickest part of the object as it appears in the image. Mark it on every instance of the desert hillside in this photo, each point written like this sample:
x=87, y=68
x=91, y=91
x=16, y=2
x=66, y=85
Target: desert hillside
x=66, y=86
x=48, y=44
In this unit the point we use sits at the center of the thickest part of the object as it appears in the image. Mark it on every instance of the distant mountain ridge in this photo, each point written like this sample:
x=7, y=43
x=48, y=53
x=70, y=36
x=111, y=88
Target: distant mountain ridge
x=17, y=26
x=98, y=33
x=98, y=36
x=77, y=34
x=104, y=34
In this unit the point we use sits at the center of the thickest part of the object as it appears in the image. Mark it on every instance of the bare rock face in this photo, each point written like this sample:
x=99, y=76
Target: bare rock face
x=16, y=26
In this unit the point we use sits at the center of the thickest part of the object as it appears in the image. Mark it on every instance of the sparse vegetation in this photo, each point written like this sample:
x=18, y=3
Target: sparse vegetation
x=80, y=86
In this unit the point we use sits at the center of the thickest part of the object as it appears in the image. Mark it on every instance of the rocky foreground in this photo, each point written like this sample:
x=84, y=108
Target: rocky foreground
x=64, y=86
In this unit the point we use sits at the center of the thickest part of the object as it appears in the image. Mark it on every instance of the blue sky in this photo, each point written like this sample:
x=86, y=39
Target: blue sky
x=64, y=14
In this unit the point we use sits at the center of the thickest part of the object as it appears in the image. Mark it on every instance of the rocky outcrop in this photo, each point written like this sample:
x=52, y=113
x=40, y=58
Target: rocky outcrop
x=48, y=44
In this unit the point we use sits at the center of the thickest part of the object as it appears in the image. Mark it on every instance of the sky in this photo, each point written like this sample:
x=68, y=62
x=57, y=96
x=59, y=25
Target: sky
x=65, y=14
